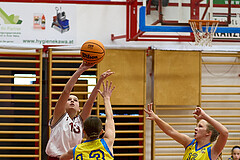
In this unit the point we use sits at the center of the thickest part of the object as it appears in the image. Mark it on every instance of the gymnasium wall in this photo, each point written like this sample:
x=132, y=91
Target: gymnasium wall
x=194, y=78
x=213, y=76
x=99, y=22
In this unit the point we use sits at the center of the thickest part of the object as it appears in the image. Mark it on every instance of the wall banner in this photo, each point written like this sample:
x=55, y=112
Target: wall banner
x=37, y=23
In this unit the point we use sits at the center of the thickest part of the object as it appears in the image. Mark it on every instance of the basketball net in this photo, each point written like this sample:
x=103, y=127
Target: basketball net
x=203, y=31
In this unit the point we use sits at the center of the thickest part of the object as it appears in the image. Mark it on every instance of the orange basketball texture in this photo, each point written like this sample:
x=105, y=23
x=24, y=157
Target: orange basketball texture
x=92, y=51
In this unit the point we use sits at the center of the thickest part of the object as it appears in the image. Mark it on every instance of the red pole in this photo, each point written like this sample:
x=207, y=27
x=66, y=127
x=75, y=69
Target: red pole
x=127, y=20
x=229, y=12
x=194, y=9
x=133, y=23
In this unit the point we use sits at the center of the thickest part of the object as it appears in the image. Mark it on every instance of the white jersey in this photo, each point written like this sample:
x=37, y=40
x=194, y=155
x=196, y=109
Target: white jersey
x=65, y=134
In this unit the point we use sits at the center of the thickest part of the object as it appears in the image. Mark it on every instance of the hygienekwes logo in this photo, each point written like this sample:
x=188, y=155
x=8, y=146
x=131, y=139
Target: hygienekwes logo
x=60, y=22
x=9, y=19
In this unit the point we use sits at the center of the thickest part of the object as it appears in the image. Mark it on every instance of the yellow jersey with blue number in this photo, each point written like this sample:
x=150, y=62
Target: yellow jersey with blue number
x=192, y=152
x=96, y=149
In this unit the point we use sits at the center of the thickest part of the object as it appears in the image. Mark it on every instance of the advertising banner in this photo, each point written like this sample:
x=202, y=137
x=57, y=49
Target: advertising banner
x=37, y=23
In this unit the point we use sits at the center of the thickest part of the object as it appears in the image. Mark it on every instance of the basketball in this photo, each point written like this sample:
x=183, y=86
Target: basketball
x=92, y=51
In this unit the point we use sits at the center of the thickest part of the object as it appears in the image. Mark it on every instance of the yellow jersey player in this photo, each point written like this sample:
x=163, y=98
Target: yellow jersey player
x=235, y=153
x=206, y=132
x=192, y=151
x=95, y=147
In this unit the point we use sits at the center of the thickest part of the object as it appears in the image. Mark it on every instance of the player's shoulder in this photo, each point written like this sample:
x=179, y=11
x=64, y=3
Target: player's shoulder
x=63, y=118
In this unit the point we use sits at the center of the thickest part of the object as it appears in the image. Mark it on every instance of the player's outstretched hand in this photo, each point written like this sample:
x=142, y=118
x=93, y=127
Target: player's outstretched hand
x=107, y=90
x=106, y=74
x=199, y=113
x=151, y=114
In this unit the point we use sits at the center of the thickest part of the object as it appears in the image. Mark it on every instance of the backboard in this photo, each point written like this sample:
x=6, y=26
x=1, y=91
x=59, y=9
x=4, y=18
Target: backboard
x=167, y=20
x=172, y=16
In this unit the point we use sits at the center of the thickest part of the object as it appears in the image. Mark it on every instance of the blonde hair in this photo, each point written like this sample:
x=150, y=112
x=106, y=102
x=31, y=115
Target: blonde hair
x=214, y=132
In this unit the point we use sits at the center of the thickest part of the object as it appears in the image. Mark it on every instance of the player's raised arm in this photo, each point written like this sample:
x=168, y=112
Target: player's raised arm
x=223, y=132
x=60, y=105
x=109, y=135
x=87, y=108
x=166, y=128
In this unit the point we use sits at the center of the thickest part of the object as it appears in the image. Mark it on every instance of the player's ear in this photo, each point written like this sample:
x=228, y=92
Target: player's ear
x=209, y=133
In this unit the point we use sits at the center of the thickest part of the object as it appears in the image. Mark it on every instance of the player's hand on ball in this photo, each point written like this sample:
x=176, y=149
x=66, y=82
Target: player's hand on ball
x=86, y=66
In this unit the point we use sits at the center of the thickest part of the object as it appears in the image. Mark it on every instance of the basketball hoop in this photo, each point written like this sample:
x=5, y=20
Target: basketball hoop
x=203, y=31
